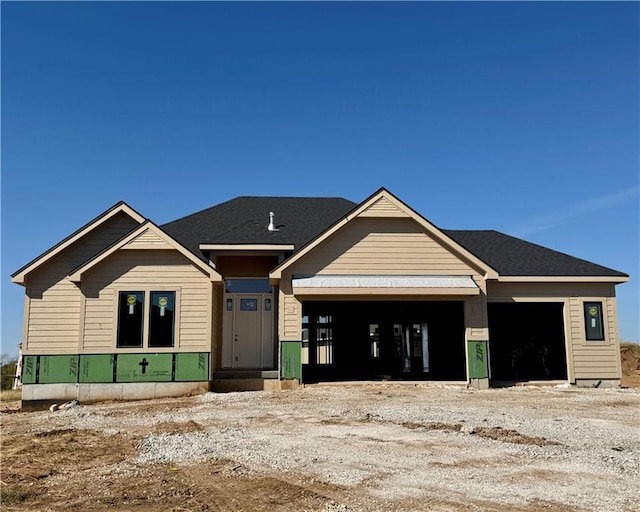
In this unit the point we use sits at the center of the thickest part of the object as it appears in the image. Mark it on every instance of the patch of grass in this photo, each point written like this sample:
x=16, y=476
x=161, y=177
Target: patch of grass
x=10, y=395
x=14, y=494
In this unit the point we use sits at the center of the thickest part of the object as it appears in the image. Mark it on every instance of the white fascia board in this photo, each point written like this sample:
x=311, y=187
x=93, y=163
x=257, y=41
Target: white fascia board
x=76, y=275
x=563, y=279
x=19, y=277
x=246, y=247
x=370, y=281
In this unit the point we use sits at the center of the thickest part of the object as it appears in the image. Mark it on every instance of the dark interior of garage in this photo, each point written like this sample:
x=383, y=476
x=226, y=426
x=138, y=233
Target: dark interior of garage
x=526, y=341
x=390, y=340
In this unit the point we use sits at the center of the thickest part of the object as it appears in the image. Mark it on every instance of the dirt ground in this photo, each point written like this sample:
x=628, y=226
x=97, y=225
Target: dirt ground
x=329, y=448
x=630, y=359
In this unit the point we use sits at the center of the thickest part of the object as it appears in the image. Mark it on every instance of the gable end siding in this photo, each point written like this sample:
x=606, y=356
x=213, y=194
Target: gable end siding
x=147, y=240
x=54, y=303
x=381, y=247
x=383, y=208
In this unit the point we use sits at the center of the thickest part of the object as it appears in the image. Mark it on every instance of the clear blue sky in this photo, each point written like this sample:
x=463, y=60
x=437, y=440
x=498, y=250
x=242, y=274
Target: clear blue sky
x=520, y=117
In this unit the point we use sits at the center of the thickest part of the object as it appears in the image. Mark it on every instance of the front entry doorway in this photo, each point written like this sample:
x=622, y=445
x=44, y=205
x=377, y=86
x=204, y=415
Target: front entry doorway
x=247, y=326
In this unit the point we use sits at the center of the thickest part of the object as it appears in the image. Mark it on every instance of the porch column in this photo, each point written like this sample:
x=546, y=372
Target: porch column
x=477, y=341
x=289, y=332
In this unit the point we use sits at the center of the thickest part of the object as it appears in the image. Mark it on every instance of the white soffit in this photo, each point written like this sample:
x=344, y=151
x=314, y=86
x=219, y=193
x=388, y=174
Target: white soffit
x=364, y=281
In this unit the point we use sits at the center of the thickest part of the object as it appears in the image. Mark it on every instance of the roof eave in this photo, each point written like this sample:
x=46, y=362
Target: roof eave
x=563, y=279
x=489, y=272
x=19, y=276
x=77, y=274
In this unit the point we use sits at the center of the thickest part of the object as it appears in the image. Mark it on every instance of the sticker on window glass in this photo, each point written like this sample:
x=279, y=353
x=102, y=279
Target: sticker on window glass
x=593, y=312
x=131, y=301
x=249, y=305
x=162, y=302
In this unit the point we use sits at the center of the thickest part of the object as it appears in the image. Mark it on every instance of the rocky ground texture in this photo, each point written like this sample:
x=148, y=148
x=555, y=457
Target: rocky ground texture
x=332, y=448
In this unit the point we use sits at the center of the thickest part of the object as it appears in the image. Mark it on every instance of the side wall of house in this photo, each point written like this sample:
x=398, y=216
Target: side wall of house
x=587, y=360
x=53, y=303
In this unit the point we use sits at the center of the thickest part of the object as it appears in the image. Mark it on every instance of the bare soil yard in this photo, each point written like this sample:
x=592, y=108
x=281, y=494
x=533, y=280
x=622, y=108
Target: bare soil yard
x=329, y=448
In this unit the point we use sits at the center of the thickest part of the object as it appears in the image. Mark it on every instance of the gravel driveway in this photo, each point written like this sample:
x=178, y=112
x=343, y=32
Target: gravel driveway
x=399, y=447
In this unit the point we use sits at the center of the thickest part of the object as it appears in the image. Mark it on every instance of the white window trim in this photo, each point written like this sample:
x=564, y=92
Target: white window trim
x=605, y=325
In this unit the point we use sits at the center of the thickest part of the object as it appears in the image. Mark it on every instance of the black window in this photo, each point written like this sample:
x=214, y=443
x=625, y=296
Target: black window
x=130, y=319
x=248, y=286
x=324, y=340
x=593, y=321
x=162, y=319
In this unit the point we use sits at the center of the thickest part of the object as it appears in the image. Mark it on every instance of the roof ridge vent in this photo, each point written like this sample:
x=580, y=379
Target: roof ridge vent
x=272, y=224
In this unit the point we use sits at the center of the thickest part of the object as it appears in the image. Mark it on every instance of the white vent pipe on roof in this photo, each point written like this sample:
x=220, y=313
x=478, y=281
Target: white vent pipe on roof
x=272, y=224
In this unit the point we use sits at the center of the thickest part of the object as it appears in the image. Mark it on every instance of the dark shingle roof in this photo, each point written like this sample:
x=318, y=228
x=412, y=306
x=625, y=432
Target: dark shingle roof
x=512, y=256
x=244, y=220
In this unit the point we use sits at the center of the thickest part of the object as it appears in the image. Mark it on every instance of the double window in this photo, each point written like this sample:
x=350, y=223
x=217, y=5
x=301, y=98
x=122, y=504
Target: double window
x=158, y=308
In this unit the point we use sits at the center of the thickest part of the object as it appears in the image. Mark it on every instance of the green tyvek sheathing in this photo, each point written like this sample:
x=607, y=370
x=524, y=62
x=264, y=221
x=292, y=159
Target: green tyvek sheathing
x=478, y=360
x=144, y=367
x=291, y=361
x=192, y=367
x=58, y=369
x=96, y=368
x=29, y=367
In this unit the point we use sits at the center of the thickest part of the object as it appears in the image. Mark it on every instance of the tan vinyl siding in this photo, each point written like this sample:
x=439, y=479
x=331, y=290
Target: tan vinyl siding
x=476, y=318
x=54, y=306
x=380, y=246
x=595, y=359
x=289, y=313
x=245, y=266
x=383, y=247
x=148, y=270
x=587, y=359
x=147, y=240
x=383, y=208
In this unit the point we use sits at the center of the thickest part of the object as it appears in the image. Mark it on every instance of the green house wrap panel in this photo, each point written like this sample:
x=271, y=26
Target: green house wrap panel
x=29, y=367
x=478, y=360
x=58, y=369
x=144, y=367
x=192, y=367
x=291, y=361
x=96, y=368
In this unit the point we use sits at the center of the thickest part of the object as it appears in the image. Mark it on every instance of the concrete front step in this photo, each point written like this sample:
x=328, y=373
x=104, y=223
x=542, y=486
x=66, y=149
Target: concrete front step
x=245, y=374
x=228, y=380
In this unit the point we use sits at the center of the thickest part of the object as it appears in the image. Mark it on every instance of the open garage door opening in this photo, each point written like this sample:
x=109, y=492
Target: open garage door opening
x=527, y=342
x=358, y=340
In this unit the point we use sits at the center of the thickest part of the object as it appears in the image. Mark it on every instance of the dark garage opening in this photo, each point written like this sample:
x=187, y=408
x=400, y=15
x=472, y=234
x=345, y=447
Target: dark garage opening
x=526, y=341
x=383, y=340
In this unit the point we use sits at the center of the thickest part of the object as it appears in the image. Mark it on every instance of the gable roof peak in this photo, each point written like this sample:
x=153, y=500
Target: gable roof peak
x=19, y=275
